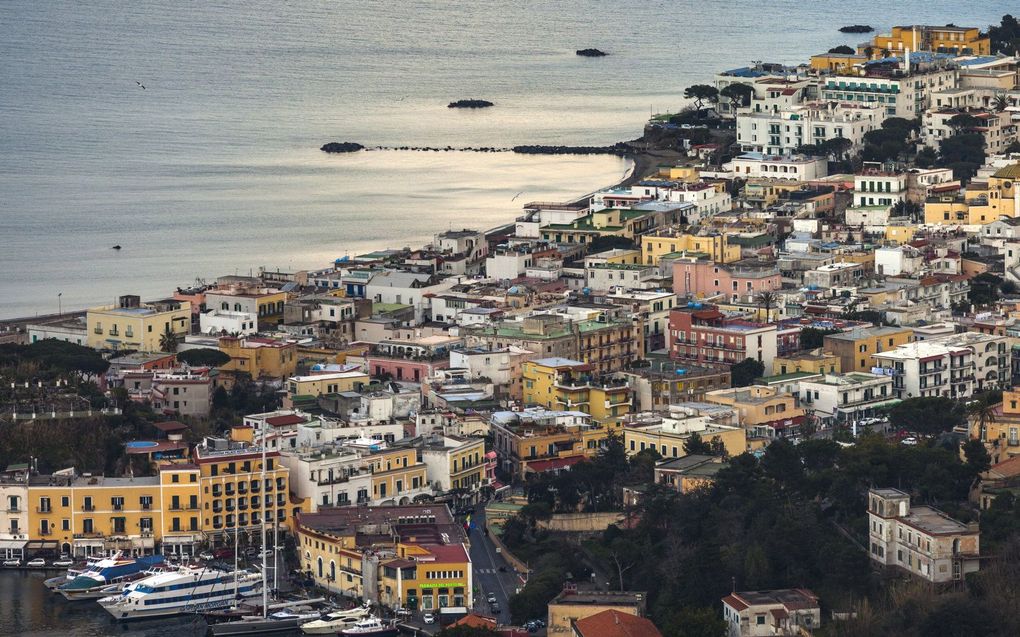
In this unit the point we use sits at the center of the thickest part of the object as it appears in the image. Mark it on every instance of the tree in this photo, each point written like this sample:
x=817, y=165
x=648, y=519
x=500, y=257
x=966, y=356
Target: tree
x=964, y=153
x=963, y=121
x=695, y=445
x=928, y=415
x=983, y=411
x=842, y=49
x=837, y=147
x=926, y=157
x=203, y=357
x=1013, y=148
x=691, y=621
x=907, y=208
x=766, y=300
x=984, y=289
x=738, y=93
x=701, y=93
x=1000, y=102
x=743, y=373
x=978, y=460
x=168, y=341
x=813, y=338
x=1005, y=37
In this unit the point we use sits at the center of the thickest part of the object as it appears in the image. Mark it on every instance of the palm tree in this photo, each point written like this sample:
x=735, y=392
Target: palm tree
x=767, y=300
x=168, y=341
x=1000, y=102
x=982, y=412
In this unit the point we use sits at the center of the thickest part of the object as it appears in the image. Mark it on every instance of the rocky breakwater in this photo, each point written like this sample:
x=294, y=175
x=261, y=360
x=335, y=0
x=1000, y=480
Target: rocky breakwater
x=591, y=53
x=341, y=147
x=620, y=149
x=470, y=104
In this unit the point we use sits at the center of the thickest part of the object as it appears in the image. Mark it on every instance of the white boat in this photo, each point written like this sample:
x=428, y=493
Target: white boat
x=98, y=574
x=371, y=627
x=184, y=590
x=333, y=623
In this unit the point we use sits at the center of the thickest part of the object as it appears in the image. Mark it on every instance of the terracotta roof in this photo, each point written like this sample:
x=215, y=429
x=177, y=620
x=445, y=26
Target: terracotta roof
x=613, y=623
x=282, y=421
x=555, y=463
x=476, y=621
x=170, y=425
x=734, y=602
x=1005, y=469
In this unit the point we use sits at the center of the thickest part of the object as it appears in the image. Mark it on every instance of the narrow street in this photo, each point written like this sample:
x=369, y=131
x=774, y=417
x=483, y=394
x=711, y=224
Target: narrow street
x=488, y=578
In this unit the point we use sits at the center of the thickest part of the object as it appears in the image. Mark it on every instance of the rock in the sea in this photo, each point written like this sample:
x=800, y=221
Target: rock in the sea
x=341, y=147
x=591, y=53
x=856, y=28
x=469, y=104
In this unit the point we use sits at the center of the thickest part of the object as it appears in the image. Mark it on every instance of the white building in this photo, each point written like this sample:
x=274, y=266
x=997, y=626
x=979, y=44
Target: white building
x=451, y=462
x=897, y=94
x=14, y=529
x=783, y=132
x=991, y=355
x=841, y=397
x=999, y=129
x=874, y=187
x=406, y=288
x=921, y=540
x=929, y=368
x=788, y=167
x=897, y=260
x=71, y=329
x=792, y=611
x=217, y=321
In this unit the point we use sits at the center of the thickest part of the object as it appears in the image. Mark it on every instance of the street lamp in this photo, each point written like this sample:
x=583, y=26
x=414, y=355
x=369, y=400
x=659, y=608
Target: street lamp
x=60, y=306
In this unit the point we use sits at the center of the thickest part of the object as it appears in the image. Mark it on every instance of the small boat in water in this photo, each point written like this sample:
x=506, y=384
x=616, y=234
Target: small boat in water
x=291, y=615
x=333, y=623
x=116, y=569
x=371, y=627
x=183, y=590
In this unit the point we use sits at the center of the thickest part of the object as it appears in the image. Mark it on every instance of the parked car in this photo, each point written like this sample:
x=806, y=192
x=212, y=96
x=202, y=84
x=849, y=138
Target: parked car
x=403, y=612
x=12, y=563
x=909, y=441
x=206, y=555
x=63, y=562
x=495, y=608
x=36, y=563
x=491, y=598
x=428, y=618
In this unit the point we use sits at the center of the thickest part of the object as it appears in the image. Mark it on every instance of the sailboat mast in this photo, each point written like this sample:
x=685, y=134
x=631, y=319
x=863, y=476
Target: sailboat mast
x=262, y=491
x=236, y=526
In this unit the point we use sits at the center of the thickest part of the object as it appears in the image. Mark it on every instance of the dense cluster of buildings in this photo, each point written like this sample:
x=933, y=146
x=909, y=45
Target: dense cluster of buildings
x=626, y=313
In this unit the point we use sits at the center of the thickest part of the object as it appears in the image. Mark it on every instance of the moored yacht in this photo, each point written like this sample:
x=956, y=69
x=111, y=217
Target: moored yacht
x=184, y=590
x=371, y=627
x=102, y=573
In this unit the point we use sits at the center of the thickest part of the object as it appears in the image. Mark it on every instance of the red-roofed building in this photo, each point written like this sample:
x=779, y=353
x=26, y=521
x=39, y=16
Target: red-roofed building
x=766, y=613
x=706, y=337
x=613, y=623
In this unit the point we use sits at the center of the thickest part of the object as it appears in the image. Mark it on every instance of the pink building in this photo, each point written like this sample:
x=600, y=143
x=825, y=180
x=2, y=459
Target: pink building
x=737, y=282
x=707, y=337
x=405, y=368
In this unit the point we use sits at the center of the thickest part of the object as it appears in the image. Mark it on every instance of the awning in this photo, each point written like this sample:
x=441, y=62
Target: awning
x=41, y=545
x=12, y=544
x=99, y=542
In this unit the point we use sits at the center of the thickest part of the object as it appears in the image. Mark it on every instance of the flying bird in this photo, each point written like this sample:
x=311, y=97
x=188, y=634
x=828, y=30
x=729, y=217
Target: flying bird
x=517, y=195
x=140, y=84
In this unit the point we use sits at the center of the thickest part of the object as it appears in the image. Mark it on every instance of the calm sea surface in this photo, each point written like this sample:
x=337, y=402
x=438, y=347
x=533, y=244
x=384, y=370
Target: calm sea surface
x=214, y=166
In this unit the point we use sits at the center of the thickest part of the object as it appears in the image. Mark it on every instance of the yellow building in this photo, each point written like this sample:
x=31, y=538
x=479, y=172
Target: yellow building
x=667, y=433
x=570, y=606
x=424, y=561
x=395, y=471
x=715, y=246
x=560, y=383
x=132, y=324
x=947, y=39
x=900, y=234
x=536, y=440
x=984, y=203
x=90, y=515
x=180, y=491
x=816, y=362
x=259, y=357
x=837, y=62
x=322, y=384
x=764, y=411
x=608, y=222
x=455, y=463
x=947, y=210
x=267, y=303
x=233, y=491
x=685, y=174
x=856, y=349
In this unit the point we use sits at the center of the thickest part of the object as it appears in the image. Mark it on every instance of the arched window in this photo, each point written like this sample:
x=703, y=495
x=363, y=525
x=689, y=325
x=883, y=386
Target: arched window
x=237, y=307
x=332, y=571
x=224, y=306
x=320, y=566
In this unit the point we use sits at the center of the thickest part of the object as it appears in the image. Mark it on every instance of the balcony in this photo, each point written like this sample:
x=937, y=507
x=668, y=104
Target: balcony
x=88, y=508
x=14, y=509
x=48, y=531
x=43, y=510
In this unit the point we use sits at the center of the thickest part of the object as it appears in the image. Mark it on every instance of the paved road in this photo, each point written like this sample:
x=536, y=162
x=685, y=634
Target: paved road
x=486, y=562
